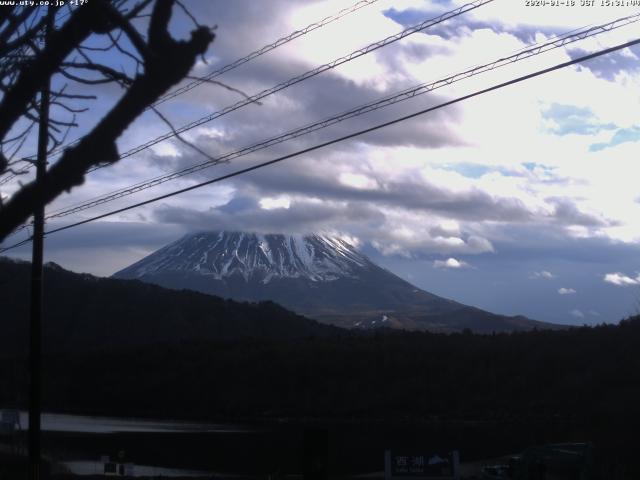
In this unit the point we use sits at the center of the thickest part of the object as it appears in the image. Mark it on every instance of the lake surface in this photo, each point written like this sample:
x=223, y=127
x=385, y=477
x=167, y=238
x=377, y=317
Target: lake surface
x=85, y=467
x=79, y=441
x=192, y=449
x=56, y=422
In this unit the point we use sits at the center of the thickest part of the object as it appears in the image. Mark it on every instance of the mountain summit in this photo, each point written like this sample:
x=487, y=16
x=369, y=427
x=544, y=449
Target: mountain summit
x=318, y=276
x=253, y=257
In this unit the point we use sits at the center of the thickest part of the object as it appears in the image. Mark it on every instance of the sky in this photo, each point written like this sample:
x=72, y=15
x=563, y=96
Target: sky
x=524, y=200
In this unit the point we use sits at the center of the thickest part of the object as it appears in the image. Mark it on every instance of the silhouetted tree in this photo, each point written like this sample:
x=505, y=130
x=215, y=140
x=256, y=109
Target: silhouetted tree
x=138, y=31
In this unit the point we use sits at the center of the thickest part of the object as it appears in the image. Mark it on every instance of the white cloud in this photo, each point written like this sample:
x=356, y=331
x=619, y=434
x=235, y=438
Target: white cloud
x=450, y=263
x=486, y=143
x=577, y=313
x=350, y=239
x=621, y=279
x=357, y=180
x=273, y=203
x=566, y=291
x=542, y=274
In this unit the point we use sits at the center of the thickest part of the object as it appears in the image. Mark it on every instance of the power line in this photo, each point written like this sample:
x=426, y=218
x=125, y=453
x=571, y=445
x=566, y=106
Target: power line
x=16, y=245
x=307, y=75
x=292, y=81
x=343, y=138
x=363, y=109
x=283, y=85
x=231, y=66
x=265, y=49
x=363, y=51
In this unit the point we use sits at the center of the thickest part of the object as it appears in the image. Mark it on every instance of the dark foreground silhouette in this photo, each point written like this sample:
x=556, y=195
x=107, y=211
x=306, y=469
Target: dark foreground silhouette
x=486, y=395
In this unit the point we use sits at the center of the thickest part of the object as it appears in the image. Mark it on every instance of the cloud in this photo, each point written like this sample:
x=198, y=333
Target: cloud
x=577, y=313
x=412, y=182
x=102, y=248
x=621, y=279
x=542, y=274
x=566, y=291
x=390, y=231
x=451, y=263
x=250, y=214
x=567, y=213
x=609, y=66
x=534, y=187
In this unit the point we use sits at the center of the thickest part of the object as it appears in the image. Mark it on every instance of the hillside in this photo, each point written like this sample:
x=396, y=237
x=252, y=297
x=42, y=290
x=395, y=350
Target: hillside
x=83, y=312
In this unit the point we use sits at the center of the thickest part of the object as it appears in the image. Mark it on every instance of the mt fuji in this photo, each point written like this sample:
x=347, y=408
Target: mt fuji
x=319, y=276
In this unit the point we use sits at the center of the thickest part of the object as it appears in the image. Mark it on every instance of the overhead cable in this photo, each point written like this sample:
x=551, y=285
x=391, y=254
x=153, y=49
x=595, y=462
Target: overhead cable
x=355, y=112
x=342, y=138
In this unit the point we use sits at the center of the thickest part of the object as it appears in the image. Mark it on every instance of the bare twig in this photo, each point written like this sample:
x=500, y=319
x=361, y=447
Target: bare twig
x=110, y=75
x=180, y=137
x=68, y=108
x=223, y=85
x=188, y=13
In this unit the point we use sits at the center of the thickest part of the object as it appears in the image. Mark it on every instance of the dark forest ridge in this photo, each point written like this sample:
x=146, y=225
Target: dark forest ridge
x=318, y=276
x=490, y=393
x=83, y=312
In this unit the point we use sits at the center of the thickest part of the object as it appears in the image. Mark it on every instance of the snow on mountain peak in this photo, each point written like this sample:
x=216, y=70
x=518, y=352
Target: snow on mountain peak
x=255, y=257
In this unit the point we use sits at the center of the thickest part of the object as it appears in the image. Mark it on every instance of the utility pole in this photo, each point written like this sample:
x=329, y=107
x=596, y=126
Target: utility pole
x=35, y=320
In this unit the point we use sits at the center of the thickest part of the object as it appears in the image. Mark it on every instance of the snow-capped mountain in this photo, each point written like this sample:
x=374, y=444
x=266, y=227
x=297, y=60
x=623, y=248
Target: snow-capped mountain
x=322, y=277
x=254, y=257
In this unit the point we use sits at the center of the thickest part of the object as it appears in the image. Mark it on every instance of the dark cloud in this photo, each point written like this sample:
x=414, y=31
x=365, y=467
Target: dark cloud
x=300, y=217
x=357, y=219
x=318, y=179
x=531, y=243
x=104, y=247
x=245, y=25
x=608, y=66
x=568, y=214
x=318, y=176
x=312, y=100
x=326, y=96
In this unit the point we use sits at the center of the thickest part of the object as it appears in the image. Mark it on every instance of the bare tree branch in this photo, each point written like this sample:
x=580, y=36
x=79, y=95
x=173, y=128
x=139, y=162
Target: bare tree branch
x=68, y=108
x=223, y=85
x=135, y=11
x=134, y=36
x=167, y=62
x=73, y=96
x=25, y=38
x=109, y=73
x=188, y=14
x=180, y=137
x=31, y=77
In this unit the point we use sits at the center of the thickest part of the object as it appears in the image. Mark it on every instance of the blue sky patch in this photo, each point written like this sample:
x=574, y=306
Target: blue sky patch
x=623, y=135
x=475, y=170
x=572, y=119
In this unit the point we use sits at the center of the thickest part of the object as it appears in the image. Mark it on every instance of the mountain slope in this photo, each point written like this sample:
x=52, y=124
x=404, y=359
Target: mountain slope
x=317, y=276
x=83, y=312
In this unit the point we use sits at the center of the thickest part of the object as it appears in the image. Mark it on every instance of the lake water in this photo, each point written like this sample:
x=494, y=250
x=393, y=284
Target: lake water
x=84, y=467
x=86, y=427
x=55, y=422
